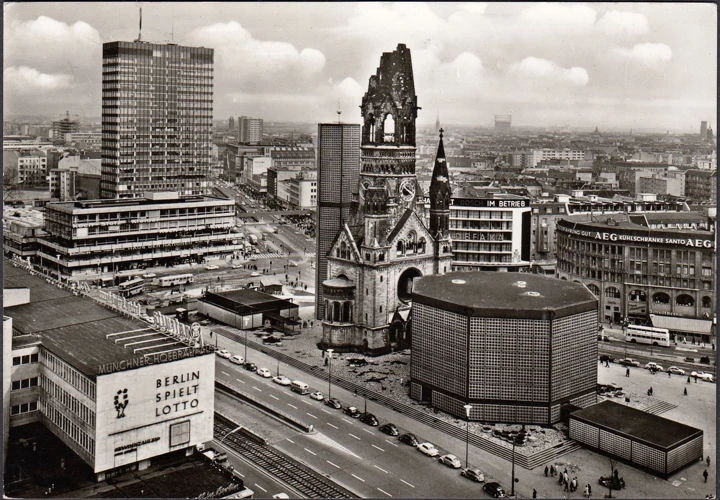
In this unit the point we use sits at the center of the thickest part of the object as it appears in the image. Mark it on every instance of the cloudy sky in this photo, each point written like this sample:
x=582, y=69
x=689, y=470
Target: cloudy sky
x=618, y=65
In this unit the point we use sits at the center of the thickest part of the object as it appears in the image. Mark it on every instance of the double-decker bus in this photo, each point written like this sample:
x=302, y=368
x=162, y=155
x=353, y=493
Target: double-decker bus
x=647, y=335
x=174, y=280
x=131, y=287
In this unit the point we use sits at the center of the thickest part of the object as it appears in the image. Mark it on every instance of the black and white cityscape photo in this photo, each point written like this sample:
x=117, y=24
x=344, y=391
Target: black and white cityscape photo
x=359, y=250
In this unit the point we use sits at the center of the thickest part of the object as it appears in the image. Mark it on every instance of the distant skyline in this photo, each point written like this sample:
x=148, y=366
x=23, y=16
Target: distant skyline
x=614, y=65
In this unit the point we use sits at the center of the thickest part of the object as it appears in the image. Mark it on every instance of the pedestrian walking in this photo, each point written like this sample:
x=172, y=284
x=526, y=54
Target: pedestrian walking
x=552, y=470
x=696, y=379
x=546, y=471
x=586, y=492
x=669, y=374
x=705, y=475
x=589, y=489
x=651, y=390
x=685, y=391
x=627, y=372
x=534, y=493
x=707, y=460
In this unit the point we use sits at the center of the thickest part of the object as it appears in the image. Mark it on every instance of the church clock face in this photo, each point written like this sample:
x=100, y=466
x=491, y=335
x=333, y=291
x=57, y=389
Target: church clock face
x=407, y=189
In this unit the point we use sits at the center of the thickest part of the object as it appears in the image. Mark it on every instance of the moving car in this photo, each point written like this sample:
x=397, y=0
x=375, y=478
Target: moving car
x=282, y=380
x=223, y=353
x=494, y=489
x=237, y=359
x=676, y=370
x=450, y=460
x=708, y=377
x=370, y=419
x=474, y=475
x=211, y=267
x=264, y=372
x=317, y=396
x=428, y=449
x=351, y=411
x=652, y=365
x=333, y=403
x=389, y=429
x=628, y=362
x=251, y=367
x=409, y=438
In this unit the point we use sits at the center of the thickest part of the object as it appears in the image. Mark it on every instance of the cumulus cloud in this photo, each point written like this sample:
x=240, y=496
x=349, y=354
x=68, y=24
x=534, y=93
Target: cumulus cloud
x=24, y=80
x=537, y=68
x=617, y=22
x=52, y=46
x=257, y=65
x=649, y=54
x=548, y=16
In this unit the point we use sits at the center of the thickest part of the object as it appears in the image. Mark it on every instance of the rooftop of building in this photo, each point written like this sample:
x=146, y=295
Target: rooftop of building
x=243, y=296
x=487, y=192
x=505, y=295
x=637, y=222
x=70, y=206
x=636, y=424
x=77, y=329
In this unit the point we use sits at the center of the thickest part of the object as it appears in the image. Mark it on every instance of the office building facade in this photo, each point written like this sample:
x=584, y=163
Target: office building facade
x=157, y=110
x=97, y=236
x=517, y=347
x=338, y=170
x=640, y=274
x=490, y=231
x=250, y=130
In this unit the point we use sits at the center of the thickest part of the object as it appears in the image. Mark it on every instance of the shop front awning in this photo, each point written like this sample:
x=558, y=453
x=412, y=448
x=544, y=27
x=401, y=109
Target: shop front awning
x=684, y=325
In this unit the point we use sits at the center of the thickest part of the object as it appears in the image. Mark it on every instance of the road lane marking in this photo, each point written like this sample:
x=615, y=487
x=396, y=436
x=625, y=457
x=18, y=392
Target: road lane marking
x=383, y=491
x=353, y=435
x=390, y=442
x=292, y=406
x=348, y=421
x=274, y=397
x=241, y=381
x=407, y=483
x=293, y=442
x=257, y=389
x=334, y=465
x=358, y=478
x=333, y=426
x=306, y=402
x=369, y=432
x=378, y=449
x=313, y=416
x=326, y=411
x=258, y=486
x=310, y=451
x=380, y=468
x=224, y=373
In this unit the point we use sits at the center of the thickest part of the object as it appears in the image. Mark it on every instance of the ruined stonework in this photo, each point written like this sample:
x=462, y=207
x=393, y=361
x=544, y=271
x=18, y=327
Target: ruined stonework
x=375, y=258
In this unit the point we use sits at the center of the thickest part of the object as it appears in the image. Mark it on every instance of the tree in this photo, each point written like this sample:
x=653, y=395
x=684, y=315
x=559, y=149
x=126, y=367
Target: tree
x=10, y=180
x=612, y=476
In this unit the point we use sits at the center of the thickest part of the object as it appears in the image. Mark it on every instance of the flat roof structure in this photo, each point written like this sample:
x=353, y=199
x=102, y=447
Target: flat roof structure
x=81, y=331
x=637, y=425
x=506, y=295
x=247, y=301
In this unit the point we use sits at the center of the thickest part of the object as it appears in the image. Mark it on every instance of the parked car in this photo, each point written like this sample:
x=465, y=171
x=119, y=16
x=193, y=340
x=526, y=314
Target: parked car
x=333, y=403
x=628, y=362
x=211, y=267
x=409, y=439
x=317, y=396
x=223, y=353
x=282, y=380
x=251, y=367
x=494, y=489
x=389, y=429
x=272, y=340
x=708, y=377
x=428, y=449
x=237, y=359
x=652, y=365
x=613, y=483
x=474, y=475
x=676, y=370
x=450, y=460
x=351, y=411
x=370, y=419
x=264, y=372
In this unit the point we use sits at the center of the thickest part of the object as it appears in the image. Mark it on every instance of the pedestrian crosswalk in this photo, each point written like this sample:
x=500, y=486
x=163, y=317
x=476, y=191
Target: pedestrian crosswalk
x=268, y=255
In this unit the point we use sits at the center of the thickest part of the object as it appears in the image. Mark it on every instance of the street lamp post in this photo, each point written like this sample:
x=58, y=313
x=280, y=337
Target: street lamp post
x=57, y=256
x=467, y=407
x=246, y=360
x=278, y=367
x=512, y=485
x=230, y=432
x=329, y=354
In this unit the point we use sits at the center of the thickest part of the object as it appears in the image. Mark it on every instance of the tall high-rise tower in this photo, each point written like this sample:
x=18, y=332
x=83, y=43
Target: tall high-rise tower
x=338, y=167
x=374, y=258
x=250, y=130
x=157, y=116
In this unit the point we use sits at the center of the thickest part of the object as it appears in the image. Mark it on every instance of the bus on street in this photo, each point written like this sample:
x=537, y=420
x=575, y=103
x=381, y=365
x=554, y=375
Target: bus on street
x=174, y=280
x=131, y=287
x=647, y=335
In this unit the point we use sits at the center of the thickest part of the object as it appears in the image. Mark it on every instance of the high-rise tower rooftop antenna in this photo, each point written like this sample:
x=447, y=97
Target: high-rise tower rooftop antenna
x=339, y=111
x=139, y=38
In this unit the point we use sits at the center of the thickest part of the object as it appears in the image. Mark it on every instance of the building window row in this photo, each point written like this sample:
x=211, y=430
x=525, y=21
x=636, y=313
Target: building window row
x=23, y=408
x=26, y=359
x=58, y=395
x=69, y=374
x=24, y=383
x=74, y=432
